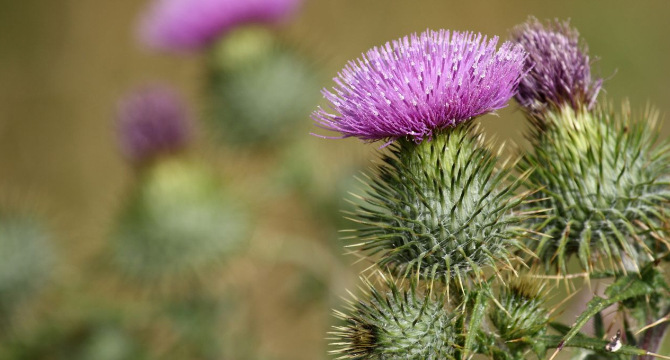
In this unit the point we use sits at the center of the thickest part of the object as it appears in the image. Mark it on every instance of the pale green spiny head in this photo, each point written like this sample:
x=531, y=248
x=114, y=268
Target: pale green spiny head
x=522, y=316
x=604, y=183
x=396, y=324
x=440, y=208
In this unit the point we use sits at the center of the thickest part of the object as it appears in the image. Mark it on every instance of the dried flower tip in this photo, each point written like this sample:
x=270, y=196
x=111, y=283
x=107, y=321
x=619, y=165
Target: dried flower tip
x=186, y=25
x=615, y=343
x=152, y=122
x=416, y=85
x=558, y=67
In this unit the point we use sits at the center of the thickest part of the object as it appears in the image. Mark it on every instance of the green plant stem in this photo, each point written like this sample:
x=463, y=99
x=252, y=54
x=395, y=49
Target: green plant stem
x=653, y=337
x=627, y=287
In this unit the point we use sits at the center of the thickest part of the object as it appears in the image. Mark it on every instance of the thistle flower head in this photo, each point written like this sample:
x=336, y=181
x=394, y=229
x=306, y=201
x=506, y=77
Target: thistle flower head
x=186, y=25
x=558, y=65
x=152, y=122
x=420, y=84
x=394, y=325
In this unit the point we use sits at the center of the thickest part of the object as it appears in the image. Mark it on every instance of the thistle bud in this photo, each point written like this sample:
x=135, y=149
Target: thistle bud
x=440, y=208
x=522, y=316
x=396, y=325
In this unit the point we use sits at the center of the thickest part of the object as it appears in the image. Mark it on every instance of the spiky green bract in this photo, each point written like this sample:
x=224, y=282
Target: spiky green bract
x=605, y=183
x=178, y=220
x=27, y=259
x=259, y=89
x=394, y=325
x=440, y=208
x=524, y=317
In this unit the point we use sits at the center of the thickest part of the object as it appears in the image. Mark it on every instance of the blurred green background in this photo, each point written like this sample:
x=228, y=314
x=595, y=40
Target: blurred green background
x=63, y=65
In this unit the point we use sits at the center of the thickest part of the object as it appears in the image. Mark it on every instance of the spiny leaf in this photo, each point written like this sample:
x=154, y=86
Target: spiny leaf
x=589, y=343
x=626, y=287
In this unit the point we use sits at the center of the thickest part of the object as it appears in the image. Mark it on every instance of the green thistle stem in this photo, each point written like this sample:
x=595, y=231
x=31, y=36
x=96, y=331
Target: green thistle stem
x=653, y=337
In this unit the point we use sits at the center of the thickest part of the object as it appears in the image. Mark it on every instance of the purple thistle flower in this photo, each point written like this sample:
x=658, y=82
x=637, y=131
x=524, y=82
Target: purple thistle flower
x=152, y=122
x=559, y=67
x=183, y=25
x=420, y=84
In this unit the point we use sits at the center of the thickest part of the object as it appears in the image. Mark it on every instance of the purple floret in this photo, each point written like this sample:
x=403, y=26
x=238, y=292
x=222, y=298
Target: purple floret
x=420, y=84
x=152, y=122
x=560, y=71
x=188, y=25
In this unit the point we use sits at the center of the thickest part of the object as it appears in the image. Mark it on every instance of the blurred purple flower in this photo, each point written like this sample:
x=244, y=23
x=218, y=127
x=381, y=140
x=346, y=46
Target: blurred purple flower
x=152, y=122
x=559, y=66
x=183, y=25
x=417, y=85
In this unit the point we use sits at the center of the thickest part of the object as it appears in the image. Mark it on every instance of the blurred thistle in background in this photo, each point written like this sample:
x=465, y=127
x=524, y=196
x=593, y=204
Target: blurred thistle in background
x=258, y=85
x=153, y=122
x=179, y=218
x=191, y=25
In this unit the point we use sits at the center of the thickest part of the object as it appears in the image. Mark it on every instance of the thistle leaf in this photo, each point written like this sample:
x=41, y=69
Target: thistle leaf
x=626, y=287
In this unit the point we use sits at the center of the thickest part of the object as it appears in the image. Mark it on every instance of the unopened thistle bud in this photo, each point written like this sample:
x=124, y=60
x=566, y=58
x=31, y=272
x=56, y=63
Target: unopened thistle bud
x=152, y=122
x=394, y=325
x=437, y=205
x=524, y=317
x=560, y=68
